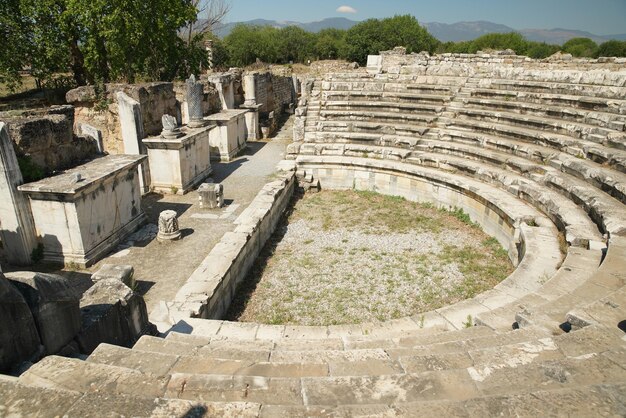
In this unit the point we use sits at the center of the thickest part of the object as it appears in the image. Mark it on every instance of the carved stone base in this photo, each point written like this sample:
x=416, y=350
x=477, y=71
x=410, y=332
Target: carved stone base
x=168, y=226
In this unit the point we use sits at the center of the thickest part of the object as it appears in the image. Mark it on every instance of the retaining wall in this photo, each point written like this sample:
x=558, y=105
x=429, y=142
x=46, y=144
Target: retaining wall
x=210, y=289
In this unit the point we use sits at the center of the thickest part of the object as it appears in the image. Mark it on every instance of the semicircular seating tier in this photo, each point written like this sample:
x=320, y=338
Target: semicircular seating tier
x=536, y=153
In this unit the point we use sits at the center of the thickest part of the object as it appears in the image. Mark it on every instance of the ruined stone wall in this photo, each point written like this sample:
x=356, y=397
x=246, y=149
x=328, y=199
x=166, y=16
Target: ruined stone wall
x=46, y=137
x=210, y=101
x=273, y=92
x=156, y=99
x=560, y=67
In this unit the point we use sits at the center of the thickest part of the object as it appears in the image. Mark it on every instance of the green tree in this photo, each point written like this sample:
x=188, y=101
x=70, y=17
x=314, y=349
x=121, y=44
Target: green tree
x=541, y=49
x=247, y=43
x=105, y=40
x=580, y=47
x=329, y=43
x=15, y=43
x=612, y=48
x=373, y=36
x=499, y=41
x=294, y=44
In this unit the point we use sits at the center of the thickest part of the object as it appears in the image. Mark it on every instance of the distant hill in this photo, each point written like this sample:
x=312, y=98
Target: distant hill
x=559, y=36
x=460, y=31
x=332, y=22
x=464, y=31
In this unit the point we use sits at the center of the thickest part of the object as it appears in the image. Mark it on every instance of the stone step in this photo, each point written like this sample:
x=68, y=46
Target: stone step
x=81, y=376
x=575, y=129
x=608, y=212
x=554, y=87
x=34, y=401
x=226, y=388
x=374, y=116
x=571, y=218
x=608, y=279
x=377, y=131
x=578, y=267
x=379, y=106
x=159, y=364
x=553, y=140
x=382, y=96
x=608, y=311
x=589, y=103
x=613, y=158
x=611, y=121
x=601, y=400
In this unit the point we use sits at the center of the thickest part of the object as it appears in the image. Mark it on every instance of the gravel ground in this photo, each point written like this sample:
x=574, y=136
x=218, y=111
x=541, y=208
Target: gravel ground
x=350, y=257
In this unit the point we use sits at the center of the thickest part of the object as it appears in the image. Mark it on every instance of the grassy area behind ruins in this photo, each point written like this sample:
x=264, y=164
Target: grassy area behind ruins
x=347, y=257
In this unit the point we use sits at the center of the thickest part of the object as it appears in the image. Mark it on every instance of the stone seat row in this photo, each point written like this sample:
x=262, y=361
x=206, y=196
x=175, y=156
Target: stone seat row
x=604, y=157
x=584, y=103
x=490, y=125
x=567, y=175
x=585, y=91
x=577, y=285
x=608, y=121
x=507, y=136
x=578, y=228
x=556, y=123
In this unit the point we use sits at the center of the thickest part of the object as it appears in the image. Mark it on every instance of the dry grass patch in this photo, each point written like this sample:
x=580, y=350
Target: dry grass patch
x=346, y=257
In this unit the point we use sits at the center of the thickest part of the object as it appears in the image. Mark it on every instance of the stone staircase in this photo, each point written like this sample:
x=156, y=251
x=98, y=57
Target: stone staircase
x=511, y=372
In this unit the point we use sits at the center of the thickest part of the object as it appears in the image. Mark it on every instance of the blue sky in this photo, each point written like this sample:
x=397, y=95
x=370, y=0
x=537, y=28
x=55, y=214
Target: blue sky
x=602, y=17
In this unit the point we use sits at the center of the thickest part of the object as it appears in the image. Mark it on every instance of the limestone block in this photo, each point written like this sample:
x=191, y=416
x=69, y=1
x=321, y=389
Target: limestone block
x=17, y=229
x=124, y=274
x=112, y=313
x=54, y=305
x=211, y=195
x=19, y=340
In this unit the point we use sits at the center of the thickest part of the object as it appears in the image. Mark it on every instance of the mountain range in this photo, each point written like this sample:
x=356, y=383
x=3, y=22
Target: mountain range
x=460, y=31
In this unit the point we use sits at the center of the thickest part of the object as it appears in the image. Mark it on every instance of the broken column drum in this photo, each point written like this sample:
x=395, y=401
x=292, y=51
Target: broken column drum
x=168, y=226
x=194, y=93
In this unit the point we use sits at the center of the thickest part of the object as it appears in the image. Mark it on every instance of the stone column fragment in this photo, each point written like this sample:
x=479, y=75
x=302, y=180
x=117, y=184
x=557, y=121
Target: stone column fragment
x=17, y=227
x=194, y=94
x=132, y=133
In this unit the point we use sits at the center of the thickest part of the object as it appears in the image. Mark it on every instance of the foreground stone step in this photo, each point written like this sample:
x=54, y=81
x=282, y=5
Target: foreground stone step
x=448, y=384
x=597, y=400
x=159, y=364
x=17, y=399
x=81, y=376
x=20, y=400
x=269, y=391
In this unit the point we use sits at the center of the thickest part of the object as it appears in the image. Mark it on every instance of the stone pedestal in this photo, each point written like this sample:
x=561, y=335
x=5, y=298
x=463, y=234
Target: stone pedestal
x=17, y=228
x=211, y=195
x=180, y=164
x=85, y=212
x=168, y=226
x=229, y=137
